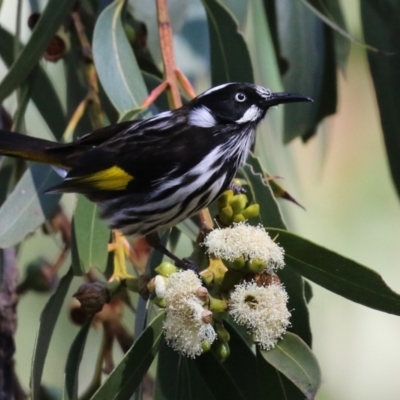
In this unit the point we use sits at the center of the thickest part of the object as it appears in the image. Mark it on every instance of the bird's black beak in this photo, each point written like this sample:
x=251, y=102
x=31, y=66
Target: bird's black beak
x=280, y=98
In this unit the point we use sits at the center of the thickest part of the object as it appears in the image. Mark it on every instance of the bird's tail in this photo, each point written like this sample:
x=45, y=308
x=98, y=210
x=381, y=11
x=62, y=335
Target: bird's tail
x=29, y=148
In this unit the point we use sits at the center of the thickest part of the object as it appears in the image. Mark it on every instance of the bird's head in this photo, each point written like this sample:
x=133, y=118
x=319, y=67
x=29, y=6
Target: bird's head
x=237, y=103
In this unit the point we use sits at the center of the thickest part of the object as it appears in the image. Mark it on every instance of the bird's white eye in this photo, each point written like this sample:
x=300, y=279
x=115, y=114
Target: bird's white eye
x=240, y=97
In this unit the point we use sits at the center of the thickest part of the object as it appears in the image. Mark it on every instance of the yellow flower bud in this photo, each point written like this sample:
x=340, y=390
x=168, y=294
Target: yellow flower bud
x=238, y=218
x=256, y=265
x=225, y=198
x=238, y=203
x=251, y=211
x=166, y=269
x=225, y=215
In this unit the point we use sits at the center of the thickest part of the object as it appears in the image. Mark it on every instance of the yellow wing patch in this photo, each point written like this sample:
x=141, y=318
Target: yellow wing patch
x=113, y=178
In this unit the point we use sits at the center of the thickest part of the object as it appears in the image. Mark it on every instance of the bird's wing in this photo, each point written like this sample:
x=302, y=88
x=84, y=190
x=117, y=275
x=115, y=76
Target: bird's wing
x=135, y=159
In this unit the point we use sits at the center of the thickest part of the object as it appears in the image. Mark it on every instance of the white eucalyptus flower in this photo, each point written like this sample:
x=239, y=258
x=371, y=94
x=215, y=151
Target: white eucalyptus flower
x=263, y=310
x=186, y=327
x=245, y=241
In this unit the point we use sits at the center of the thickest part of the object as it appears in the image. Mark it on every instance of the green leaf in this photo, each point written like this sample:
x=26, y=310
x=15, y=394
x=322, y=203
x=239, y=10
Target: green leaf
x=48, y=321
x=43, y=92
x=45, y=29
x=258, y=191
x=127, y=375
x=221, y=384
x=73, y=362
x=302, y=42
x=177, y=378
x=297, y=304
x=116, y=65
x=242, y=364
x=27, y=207
x=381, y=25
x=90, y=238
x=337, y=273
x=230, y=57
x=293, y=358
x=273, y=384
x=332, y=9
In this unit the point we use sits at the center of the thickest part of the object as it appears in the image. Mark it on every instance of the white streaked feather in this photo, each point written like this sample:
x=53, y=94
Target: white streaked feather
x=214, y=89
x=251, y=114
x=202, y=117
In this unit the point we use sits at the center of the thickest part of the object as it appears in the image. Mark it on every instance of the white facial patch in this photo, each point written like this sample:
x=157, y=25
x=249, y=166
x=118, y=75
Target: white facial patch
x=251, y=114
x=263, y=92
x=202, y=117
x=214, y=89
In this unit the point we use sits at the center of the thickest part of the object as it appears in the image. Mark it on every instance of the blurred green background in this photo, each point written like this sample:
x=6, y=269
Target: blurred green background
x=340, y=176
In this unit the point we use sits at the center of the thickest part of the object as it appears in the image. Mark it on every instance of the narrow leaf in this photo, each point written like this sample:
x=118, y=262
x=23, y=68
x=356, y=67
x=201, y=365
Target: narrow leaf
x=337, y=273
x=47, y=26
x=48, y=321
x=241, y=364
x=293, y=358
x=381, y=25
x=295, y=287
x=90, y=238
x=260, y=192
x=27, y=207
x=225, y=386
x=116, y=65
x=177, y=378
x=127, y=375
x=43, y=92
x=275, y=385
x=230, y=57
x=302, y=43
x=73, y=362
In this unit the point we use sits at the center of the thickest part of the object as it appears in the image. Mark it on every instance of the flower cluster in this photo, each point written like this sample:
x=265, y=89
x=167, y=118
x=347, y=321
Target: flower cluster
x=187, y=325
x=262, y=309
x=243, y=241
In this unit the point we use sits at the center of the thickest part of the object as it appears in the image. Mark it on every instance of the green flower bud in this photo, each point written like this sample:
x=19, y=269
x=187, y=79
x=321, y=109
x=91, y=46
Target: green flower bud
x=166, y=269
x=223, y=334
x=239, y=263
x=225, y=198
x=238, y=218
x=221, y=350
x=159, y=302
x=225, y=215
x=255, y=265
x=238, y=203
x=251, y=211
x=205, y=346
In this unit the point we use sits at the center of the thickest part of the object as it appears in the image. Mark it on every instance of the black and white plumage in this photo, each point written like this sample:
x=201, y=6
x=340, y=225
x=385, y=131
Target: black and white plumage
x=150, y=174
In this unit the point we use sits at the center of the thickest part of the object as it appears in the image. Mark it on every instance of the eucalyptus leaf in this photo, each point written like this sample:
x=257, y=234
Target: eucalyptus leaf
x=116, y=65
x=293, y=358
x=337, y=273
x=259, y=191
x=381, y=25
x=73, y=362
x=90, y=238
x=274, y=384
x=177, y=378
x=302, y=42
x=230, y=57
x=127, y=375
x=225, y=386
x=49, y=21
x=48, y=321
x=27, y=207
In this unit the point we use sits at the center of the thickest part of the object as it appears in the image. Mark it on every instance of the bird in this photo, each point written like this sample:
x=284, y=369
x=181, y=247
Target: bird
x=148, y=175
